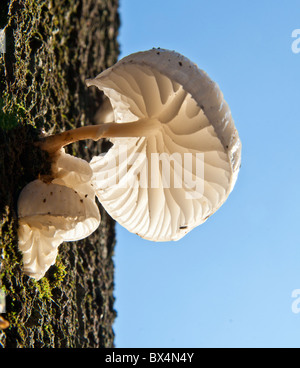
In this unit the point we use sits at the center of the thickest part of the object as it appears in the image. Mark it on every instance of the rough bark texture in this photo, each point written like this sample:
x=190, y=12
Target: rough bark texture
x=52, y=46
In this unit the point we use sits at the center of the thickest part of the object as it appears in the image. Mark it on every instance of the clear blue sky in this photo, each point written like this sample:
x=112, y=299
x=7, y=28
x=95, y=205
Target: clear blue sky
x=229, y=282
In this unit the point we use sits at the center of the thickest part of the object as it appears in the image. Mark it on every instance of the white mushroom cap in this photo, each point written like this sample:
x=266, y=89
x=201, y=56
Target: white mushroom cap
x=185, y=112
x=52, y=213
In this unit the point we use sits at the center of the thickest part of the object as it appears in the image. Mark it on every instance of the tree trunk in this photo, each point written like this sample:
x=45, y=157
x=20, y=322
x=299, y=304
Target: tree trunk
x=52, y=46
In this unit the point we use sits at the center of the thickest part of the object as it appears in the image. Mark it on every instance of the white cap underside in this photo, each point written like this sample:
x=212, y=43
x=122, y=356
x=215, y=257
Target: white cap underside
x=163, y=85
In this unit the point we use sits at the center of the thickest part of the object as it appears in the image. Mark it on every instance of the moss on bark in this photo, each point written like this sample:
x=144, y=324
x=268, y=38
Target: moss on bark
x=51, y=48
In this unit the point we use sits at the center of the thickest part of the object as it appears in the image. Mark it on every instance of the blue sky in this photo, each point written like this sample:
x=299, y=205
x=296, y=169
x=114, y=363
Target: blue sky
x=229, y=282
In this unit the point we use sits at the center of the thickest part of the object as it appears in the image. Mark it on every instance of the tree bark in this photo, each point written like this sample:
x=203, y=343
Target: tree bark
x=52, y=46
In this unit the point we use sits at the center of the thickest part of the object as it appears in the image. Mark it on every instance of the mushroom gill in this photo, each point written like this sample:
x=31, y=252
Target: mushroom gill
x=193, y=143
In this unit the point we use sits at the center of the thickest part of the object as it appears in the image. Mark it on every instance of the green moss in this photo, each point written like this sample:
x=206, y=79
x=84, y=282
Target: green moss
x=44, y=288
x=53, y=279
x=11, y=257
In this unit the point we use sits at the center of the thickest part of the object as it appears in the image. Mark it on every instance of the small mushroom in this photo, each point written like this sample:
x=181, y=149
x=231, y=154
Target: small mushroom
x=51, y=213
x=169, y=111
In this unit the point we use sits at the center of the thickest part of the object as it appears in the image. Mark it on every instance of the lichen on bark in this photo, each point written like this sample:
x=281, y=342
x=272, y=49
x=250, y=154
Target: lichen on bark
x=51, y=48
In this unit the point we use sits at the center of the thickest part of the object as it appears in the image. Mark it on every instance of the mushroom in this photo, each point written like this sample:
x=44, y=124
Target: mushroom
x=51, y=213
x=176, y=152
x=179, y=117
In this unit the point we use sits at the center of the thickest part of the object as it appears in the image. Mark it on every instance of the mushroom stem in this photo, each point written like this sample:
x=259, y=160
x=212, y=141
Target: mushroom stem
x=53, y=143
x=138, y=128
